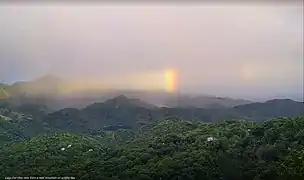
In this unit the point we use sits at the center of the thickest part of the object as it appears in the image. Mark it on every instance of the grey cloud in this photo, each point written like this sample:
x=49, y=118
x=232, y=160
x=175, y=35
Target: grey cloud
x=210, y=45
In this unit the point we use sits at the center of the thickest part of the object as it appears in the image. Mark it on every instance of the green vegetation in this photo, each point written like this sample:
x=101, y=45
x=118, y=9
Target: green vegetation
x=131, y=113
x=166, y=149
x=16, y=126
x=4, y=118
x=30, y=120
x=128, y=139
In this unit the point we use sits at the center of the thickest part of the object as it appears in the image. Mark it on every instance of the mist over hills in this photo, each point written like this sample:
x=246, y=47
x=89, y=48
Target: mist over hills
x=51, y=104
x=40, y=122
x=131, y=113
x=152, y=91
x=58, y=93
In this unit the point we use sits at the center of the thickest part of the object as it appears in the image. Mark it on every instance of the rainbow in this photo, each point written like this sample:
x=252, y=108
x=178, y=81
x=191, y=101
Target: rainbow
x=171, y=80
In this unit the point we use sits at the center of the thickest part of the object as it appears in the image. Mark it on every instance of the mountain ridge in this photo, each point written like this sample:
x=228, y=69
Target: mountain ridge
x=55, y=93
x=99, y=115
x=62, y=93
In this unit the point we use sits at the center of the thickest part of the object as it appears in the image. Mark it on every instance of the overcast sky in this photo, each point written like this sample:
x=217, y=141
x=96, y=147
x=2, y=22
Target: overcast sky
x=234, y=50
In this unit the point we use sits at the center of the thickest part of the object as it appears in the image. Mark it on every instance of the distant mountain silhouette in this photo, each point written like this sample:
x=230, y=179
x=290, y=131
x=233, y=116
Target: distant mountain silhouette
x=58, y=93
x=205, y=102
x=272, y=108
x=123, y=111
x=49, y=79
x=51, y=91
x=44, y=86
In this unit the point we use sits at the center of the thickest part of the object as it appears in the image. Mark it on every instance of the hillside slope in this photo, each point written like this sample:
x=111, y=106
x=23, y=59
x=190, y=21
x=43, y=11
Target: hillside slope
x=210, y=102
x=26, y=121
x=124, y=112
x=272, y=108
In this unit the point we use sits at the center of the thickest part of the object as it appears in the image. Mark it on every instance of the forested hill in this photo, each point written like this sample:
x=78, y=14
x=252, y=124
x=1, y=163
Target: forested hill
x=166, y=149
x=130, y=112
x=126, y=138
x=28, y=120
x=272, y=108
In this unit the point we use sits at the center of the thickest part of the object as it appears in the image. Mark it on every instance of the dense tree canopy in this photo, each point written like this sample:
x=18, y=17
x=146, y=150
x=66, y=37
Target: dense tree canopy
x=166, y=149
